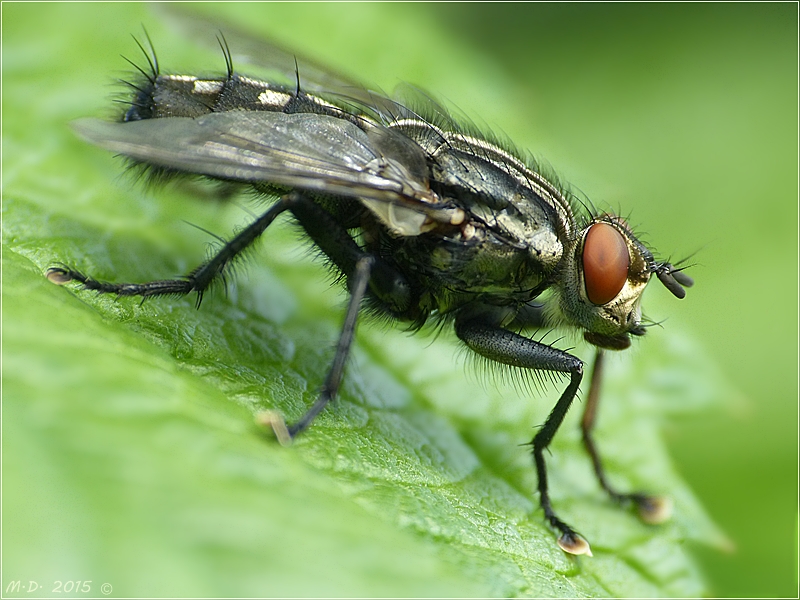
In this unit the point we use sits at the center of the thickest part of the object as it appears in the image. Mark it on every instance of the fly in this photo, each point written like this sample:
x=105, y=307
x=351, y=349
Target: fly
x=424, y=219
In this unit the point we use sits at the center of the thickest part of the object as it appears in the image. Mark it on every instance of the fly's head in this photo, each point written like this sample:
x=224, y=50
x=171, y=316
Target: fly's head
x=604, y=276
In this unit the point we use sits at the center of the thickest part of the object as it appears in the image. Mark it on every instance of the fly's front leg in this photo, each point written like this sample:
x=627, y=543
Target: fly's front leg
x=509, y=348
x=651, y=509
x=199, y=280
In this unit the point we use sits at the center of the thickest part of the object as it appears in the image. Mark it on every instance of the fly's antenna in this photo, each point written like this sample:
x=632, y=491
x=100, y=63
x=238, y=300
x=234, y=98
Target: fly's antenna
x=674, y=279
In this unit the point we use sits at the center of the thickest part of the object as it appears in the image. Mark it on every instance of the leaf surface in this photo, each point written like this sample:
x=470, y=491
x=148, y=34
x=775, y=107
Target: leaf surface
x=130, y=454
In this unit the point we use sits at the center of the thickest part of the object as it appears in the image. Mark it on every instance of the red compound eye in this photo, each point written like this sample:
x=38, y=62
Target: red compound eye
x=605, y=263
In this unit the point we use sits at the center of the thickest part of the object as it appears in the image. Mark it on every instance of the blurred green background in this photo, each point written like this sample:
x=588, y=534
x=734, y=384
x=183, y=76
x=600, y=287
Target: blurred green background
x=684, y=116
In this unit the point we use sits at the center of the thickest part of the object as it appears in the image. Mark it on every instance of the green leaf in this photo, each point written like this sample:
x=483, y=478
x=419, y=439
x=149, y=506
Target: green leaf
x=130, y=454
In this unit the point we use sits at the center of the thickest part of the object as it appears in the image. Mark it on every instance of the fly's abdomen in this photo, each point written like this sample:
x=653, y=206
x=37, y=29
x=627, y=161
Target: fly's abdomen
x=163, y=96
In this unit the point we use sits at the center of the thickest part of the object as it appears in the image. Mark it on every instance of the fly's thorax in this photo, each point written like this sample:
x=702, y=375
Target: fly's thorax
x=604, y=273
x=516, y=222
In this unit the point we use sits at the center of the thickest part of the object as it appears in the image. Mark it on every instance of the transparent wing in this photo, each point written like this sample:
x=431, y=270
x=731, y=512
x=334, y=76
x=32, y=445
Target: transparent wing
x=306, y=151
x=315, y=77
x=248, y=48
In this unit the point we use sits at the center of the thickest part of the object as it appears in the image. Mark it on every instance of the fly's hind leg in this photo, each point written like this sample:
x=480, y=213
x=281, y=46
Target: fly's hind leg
x=651, y=509
x=199, y=280
x=363, y=272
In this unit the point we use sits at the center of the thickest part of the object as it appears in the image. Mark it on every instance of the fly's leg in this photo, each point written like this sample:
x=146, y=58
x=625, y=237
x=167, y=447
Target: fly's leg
x=363, y=272
x=651, y=509
x=361, y=269
x=509, y=348
x=199, y=280
x=387, y=285
x=530, y=316
x=358, y=287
